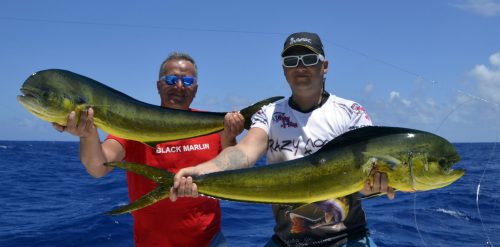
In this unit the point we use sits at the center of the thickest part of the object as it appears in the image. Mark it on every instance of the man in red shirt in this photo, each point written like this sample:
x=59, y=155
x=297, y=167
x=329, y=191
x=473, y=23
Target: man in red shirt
x=189, y=221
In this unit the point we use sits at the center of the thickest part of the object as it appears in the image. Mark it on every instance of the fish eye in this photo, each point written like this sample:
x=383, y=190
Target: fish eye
x=442, y=162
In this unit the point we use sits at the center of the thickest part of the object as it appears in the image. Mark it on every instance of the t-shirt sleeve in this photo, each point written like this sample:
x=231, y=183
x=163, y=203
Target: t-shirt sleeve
x=260, y=120
x=359, y=117
x=122, y=141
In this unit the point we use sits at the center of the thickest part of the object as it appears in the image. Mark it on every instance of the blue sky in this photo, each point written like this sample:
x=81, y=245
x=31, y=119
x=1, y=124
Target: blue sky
x=429, y=65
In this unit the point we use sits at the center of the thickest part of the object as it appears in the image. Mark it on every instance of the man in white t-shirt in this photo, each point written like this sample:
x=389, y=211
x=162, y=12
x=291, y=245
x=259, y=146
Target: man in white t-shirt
x=294, y=128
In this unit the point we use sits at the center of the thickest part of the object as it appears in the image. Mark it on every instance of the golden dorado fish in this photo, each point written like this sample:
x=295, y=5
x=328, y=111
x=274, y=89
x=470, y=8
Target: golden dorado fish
x=413, y=160
x=52, y=94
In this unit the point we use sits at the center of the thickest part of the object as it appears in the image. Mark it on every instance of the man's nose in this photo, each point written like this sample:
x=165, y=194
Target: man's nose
x=178, y=84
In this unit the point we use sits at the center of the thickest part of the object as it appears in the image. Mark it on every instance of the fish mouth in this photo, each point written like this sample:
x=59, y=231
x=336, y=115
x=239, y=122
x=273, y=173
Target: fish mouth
x=29, y=98
x=28, y=92
x=34, y=103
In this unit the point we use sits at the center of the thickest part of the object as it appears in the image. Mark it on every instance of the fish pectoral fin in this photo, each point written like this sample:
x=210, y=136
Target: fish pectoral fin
x=390, y=160
x=157, y=175
x=161, y=192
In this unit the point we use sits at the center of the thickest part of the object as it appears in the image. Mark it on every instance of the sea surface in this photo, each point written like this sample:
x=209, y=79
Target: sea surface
x=47, y=199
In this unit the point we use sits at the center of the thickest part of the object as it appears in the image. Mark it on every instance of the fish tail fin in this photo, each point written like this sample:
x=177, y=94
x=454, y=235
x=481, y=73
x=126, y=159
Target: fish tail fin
x=152, y=197
x=249, y=111
x=163, y=178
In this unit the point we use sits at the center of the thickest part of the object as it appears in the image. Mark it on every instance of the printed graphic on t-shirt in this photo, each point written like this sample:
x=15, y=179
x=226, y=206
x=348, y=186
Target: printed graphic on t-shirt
x=332, y=214
x=259, y=117
x=360, y=110
x=284, y=120
x=303, y=147
x=181, y=148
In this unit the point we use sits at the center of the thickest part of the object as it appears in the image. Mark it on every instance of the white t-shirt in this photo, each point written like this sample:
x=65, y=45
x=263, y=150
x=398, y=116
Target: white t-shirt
x=294, y=134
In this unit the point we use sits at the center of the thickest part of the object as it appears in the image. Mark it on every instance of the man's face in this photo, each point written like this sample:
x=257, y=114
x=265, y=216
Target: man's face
x=177, y=96
x=304, y=77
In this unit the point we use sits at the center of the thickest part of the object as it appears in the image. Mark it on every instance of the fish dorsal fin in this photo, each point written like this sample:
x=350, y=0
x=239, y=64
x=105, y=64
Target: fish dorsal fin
x=363, y=134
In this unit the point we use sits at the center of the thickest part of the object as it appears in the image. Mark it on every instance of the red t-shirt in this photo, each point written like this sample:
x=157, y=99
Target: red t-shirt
x=187, y=221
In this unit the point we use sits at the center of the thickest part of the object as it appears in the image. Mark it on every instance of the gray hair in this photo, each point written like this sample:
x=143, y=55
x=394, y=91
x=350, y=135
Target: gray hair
x=175, y=56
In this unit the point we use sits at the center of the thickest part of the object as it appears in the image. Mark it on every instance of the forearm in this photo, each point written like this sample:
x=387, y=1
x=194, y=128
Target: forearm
x=243, y=155
x=227, y=141
x=92, y=155
x=230, y=158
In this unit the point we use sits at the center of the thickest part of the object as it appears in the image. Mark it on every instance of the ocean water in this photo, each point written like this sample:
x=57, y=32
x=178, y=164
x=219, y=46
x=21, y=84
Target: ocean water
x=47, y=199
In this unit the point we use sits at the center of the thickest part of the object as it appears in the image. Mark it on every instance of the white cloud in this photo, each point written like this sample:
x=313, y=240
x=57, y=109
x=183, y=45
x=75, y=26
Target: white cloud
x=369, y=88
x=218, y=104
x=487, y=8
x=28, y=123
x=495, y=59
x=467, y=114
x=488, y=79
x=395, y=97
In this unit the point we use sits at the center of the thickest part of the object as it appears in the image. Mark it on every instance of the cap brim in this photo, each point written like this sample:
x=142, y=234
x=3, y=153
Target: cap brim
x=306, y=46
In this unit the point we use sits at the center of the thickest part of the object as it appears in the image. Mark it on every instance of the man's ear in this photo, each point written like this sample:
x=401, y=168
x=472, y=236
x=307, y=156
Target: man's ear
x=158, y=85
x=325, y=66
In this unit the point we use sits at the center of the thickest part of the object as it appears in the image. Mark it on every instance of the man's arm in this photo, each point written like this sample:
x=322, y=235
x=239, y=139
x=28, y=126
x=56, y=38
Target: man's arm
x=93, y=154
x=244, y=154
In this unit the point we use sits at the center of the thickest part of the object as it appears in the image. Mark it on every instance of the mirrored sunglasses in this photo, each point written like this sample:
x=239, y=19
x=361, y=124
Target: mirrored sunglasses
x=307, y=60
x=171, y=80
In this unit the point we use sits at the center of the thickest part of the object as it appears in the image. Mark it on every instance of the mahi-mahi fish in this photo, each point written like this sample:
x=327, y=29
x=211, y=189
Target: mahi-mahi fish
x=413, y=160
x=52, y=94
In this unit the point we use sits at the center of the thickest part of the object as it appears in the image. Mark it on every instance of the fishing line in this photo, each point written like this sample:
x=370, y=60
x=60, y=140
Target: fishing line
x=415, y=219
x=472, y=98
x=488, y=163
x=488, y=242
x=136, y=26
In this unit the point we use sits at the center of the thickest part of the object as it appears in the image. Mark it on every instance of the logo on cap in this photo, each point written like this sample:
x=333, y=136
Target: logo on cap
x=297, y=40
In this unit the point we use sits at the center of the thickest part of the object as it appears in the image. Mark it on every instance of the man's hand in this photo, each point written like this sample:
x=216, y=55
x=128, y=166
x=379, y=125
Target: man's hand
x=379, y=185
x=183, y=184
x=233, y=126
x=84, y=128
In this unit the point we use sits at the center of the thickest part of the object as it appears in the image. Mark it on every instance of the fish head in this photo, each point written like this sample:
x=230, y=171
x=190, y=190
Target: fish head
x=434, y=169
x=49, y=96
x=431, y=163
x=414, y=160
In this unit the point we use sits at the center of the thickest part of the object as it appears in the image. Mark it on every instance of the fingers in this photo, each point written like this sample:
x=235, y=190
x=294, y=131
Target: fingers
x=181, y=191
x=82, y=124
x=233, y=123
x=379, y=185
x=183, y=185
x=391, y=193
x=58, y=127
x=82, y=127
x=71, y=124
x=173, y=194
x=187, y=188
